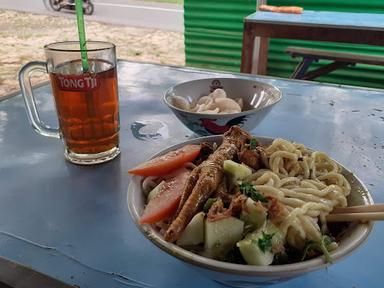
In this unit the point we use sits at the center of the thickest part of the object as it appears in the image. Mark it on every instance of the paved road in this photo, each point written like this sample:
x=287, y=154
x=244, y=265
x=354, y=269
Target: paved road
x=124, y=12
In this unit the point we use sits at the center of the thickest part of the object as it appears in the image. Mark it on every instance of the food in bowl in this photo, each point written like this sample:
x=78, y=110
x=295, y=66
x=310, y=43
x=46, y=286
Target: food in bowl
x=255, y=98
x=214, y=103
x=245, y=203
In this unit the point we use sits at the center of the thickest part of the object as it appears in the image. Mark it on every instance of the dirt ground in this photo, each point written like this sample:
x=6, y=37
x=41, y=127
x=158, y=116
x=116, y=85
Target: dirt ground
x=23, y=35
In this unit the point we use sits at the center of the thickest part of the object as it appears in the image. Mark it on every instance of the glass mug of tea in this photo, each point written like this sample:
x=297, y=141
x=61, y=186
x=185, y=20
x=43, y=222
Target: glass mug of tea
x=87, y=103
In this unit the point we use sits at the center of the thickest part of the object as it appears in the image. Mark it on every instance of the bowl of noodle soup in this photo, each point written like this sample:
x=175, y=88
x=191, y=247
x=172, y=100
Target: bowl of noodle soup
x=350, y=192
x=211, y=106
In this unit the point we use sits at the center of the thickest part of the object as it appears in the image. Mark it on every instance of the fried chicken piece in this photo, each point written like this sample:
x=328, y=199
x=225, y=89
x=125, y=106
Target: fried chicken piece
x=276, y=210
x=237, y=204
x=218, y=211
x=222, y=193
x=188, y=187
x=209, y=175
x=251, y=158
x=207, y=149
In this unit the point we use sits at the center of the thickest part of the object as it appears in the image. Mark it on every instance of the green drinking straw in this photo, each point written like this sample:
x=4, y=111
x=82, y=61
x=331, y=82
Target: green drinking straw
x=81, y=29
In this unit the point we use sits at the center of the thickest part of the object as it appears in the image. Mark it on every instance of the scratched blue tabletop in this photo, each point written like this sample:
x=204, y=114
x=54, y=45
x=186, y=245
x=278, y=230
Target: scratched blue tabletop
x=362, y=21
x=72, y=223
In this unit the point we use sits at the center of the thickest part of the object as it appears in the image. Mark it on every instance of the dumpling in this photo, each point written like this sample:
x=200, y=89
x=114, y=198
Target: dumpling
x=227, y=105
x=215, y=102
x=218, y=93
x=180, y=102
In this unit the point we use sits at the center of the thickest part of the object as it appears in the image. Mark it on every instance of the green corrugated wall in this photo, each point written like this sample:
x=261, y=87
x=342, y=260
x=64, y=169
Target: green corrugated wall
x=214, y=32
x=213, y=39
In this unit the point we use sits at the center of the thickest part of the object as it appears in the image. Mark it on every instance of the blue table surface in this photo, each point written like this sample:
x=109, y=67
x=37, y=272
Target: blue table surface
x=361, y=21
x=72, y=222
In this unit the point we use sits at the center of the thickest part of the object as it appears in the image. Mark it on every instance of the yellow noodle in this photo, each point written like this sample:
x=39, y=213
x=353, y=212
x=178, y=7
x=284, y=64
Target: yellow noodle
x=269, y=191
x=292, y=202
x=288, y=180
x=308, y=183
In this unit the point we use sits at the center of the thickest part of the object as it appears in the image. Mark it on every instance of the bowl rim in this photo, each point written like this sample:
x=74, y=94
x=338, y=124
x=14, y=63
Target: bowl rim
x=246, y=112
x=362, y=230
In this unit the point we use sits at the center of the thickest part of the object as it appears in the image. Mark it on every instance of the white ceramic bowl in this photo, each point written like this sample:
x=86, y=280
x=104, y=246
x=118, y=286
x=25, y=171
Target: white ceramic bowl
x=258, y=99
x=238, y=275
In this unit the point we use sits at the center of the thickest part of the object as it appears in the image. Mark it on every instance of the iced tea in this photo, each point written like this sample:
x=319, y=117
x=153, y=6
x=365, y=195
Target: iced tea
x=87, y=106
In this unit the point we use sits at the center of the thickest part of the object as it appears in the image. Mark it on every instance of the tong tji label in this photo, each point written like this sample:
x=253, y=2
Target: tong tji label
x=78, y=82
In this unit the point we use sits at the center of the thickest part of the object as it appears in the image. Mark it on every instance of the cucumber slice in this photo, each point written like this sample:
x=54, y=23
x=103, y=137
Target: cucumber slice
x=252, y=254
x=254, y=214
x=221, y=235
x=155, y=191
x=250, y=249
x=194, y=232
x=236, y=170
x=278, y=239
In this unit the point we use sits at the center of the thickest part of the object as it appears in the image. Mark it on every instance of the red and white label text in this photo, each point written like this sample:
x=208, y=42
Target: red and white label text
x=78, y=83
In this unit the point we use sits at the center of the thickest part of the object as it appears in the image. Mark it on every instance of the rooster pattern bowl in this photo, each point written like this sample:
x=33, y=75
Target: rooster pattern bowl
x=258, y=99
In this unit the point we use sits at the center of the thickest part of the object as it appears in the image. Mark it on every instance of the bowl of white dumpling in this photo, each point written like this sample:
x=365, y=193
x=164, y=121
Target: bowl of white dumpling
x=210, y=106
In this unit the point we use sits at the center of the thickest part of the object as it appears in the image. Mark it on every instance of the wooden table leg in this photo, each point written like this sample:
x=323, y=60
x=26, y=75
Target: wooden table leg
x=251, y=57
x=262, y=56
x=326, y=69
x=248, y=46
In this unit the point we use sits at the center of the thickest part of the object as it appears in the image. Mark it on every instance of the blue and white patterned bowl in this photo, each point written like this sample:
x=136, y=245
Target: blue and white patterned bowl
x=258, y=99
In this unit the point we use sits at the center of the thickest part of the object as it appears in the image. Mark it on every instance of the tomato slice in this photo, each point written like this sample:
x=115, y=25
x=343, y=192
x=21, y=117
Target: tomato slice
x=164, y=164
x=166, y=202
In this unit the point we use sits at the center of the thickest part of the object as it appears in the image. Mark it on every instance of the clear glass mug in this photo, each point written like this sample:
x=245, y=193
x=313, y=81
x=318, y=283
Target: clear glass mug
x=87, y=103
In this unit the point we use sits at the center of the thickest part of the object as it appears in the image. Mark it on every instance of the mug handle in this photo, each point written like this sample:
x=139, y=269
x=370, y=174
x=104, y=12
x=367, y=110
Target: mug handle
x=29, y=99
